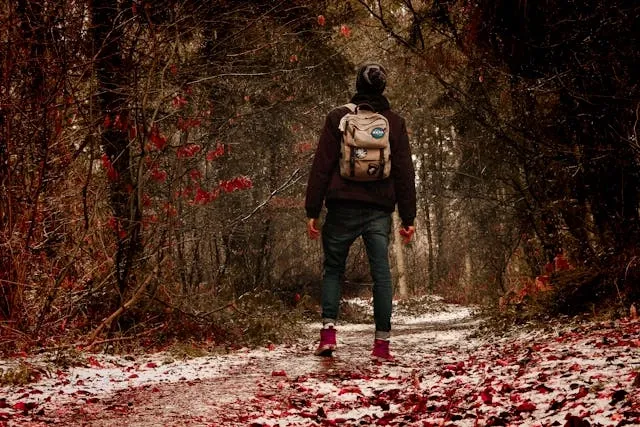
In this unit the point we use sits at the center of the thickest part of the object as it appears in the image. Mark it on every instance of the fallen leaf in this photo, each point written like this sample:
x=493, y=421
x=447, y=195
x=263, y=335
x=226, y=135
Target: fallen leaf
x=527, y=406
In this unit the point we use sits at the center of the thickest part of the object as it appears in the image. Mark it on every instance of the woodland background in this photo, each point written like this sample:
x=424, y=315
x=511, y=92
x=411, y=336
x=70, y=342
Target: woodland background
x=154, y=156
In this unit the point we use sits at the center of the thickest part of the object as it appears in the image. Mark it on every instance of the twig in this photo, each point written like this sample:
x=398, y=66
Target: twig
x=88, y=345
x=292, y=180
x=132, y=301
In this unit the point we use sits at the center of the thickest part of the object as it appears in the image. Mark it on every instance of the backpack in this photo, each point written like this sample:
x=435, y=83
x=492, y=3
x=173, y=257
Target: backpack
x=365, y=154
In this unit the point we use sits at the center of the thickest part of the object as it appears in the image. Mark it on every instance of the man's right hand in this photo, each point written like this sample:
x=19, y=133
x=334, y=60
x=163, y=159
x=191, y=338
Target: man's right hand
x=407, y=233
x=312, y=228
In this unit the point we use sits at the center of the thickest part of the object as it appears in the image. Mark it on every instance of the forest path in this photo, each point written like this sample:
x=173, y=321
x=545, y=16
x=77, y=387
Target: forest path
x=446, y=375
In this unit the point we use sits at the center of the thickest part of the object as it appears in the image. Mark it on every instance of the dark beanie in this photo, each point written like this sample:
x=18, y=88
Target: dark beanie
x=372, y=79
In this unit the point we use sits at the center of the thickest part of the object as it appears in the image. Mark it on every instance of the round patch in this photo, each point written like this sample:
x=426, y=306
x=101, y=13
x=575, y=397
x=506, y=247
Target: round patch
x=360, y=153
x=377, y=133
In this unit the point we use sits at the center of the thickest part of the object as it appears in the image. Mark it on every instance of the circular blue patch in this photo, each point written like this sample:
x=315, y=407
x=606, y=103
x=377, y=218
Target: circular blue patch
x=377, y=133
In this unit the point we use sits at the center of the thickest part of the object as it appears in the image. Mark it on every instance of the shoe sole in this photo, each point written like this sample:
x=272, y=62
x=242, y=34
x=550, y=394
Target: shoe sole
x=325, y=352
x=383, y=359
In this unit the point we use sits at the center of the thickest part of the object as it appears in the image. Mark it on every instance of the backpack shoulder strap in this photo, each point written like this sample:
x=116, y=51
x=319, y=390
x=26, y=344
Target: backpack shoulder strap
x=343, y=122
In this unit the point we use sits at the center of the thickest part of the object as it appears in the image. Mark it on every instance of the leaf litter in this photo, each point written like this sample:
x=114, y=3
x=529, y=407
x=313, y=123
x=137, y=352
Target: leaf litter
x=446, y=374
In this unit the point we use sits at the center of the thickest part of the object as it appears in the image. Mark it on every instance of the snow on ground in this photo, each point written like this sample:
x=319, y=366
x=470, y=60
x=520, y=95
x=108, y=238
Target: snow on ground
x=446, y=374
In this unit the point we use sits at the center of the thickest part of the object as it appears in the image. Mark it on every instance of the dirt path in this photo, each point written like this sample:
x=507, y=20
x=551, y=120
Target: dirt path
x=445, y=375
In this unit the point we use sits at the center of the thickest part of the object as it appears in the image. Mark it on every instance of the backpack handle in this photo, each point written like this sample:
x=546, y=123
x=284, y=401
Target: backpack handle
x=368, y=107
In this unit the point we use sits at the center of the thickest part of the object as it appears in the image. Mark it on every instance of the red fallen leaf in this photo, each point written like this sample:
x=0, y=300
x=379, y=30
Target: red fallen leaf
x=502, y=362
x=352, y=389
x=151, y=365
x=575, y=367
x=582, y=392
x=80, y=382
x=278, y=374
x=554, y=405
x=573, y=421
x=486, y=396
x=155, y=390
x=527, y=406
x=271, y=347
x=24, y=406
x=133, y=376
x=506, y=388
x=321, y=20
x=345, y=30
x=543, y=389
x=94, y=362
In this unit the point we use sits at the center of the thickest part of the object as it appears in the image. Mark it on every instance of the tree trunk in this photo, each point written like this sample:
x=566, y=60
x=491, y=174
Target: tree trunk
x=112, y=76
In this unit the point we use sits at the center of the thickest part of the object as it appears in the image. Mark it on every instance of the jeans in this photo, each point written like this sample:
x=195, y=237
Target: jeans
x=343, y=225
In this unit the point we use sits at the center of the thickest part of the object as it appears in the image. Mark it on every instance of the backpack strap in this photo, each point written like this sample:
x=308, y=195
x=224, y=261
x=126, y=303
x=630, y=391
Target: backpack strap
x=343, y=122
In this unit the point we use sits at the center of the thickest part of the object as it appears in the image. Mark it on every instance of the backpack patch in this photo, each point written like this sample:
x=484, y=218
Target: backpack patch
x=365, y=153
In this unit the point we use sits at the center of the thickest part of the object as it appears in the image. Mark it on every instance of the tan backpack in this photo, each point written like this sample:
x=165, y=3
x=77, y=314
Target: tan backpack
x=365, y=154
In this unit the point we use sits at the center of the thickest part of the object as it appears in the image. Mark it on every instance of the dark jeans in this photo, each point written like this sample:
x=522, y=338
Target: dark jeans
x=343, y=225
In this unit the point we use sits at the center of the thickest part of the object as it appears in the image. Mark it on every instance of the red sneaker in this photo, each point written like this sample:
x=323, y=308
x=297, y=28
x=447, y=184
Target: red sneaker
x=327, y=342
x=381, y=351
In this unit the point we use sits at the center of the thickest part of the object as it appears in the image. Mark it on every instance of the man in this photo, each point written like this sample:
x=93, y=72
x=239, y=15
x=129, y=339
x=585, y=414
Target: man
x=357, y=208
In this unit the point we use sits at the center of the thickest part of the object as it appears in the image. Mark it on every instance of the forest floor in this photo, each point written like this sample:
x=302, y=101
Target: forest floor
x=450, y=371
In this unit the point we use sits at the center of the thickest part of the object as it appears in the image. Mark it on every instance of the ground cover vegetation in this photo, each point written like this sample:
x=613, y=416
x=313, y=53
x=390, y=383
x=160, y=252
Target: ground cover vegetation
x=153, y=159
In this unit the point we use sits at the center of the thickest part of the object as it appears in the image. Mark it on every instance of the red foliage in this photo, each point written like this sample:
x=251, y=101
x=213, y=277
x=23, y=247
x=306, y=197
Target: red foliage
x=238, y=183
x=203, y=197
x=112, y=173
x=188, y=151
x=186, y=124
x=214, y=154
x=179, y=101
x=158, y=175
x=158, y=140
x=321, y=20
x=195, y=174
x=345, y=30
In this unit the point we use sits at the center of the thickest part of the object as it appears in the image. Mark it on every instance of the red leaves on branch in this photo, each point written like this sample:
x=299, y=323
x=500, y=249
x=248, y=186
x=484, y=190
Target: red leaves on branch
x=112, y=173
x=158, y=175
x=238, y=183
x=203, y=197
x=214, y=154
x=158, y=140
x=186, y=124
x=188, y=151
x=115, y=225
x=179, y=102
x=195, y=175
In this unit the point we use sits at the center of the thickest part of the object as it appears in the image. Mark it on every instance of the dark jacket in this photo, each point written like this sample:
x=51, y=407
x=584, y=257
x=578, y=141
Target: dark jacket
x=326, y=184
